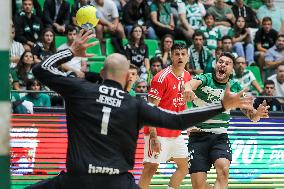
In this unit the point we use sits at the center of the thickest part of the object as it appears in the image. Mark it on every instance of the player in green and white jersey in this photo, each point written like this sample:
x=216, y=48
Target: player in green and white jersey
x=208, y=143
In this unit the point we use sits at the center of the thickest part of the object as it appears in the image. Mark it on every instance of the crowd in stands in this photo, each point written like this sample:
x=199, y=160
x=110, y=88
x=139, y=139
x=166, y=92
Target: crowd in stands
x=253, y=30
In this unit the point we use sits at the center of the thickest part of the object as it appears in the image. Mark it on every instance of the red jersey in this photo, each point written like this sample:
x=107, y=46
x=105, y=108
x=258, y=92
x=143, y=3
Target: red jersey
x=167, y=87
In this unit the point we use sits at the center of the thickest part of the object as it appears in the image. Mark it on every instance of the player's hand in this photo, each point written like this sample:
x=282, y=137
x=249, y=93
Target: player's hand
x=262, y=110
x=80, y=44
x=188, y=94
x=155, y=145
x=237, y=100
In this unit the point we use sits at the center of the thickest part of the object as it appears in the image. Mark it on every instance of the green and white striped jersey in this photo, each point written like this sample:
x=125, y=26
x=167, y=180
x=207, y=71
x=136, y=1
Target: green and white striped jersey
x=210, y=91
x=245, y=79
x=212, y=35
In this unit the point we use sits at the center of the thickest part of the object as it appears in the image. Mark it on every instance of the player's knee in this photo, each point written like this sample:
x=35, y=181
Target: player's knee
x=183, y=170
x=150, y=168
x=223, y=173
x=198, y=183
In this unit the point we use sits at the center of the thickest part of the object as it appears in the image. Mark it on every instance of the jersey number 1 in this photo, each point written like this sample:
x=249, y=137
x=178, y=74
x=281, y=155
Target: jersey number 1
x=105, y=120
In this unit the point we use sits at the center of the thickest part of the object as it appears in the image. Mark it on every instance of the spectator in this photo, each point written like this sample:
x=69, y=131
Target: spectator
x=156, y=64
x=223, y=14
x=132, y=78
x=163, y=20
x=200, y=60
x=17, y=7
x=274, y=13
x=141, y=86
x=75, y=7
x=165, y=52
x=56, y=15
x=245, y=76
x=16, y=49
x=269, y=90
x=78, y=65
x=109, y=22
x=265, y=38
x=120, y=4
x=27, y=26
x=191, y=14
x=138, y=12
x=242, y=40
x=240, y=9
x=254, y=4
x=274, y=56
x=137, y=51
x=212, y=34
x=38, y=99
x=23, y=71
x=278, y=80
x=46, y=46
x=218, y=52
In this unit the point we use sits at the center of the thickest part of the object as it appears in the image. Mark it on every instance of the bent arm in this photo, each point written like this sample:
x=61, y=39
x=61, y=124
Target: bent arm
x=48, y=73
x=157, y=117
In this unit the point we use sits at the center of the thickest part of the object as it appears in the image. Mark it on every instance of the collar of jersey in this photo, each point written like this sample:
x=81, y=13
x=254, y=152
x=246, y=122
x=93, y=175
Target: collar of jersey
x=112, y=83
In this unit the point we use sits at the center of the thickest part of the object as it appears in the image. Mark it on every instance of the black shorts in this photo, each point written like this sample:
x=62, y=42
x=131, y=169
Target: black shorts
x=66, y=181
x=205, y=148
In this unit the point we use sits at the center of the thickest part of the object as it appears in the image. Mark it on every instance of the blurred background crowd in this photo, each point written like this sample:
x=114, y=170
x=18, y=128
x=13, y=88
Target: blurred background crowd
x=144, y=31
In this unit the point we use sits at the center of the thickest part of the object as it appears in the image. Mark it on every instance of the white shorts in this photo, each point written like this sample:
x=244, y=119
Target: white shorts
x=171, y=147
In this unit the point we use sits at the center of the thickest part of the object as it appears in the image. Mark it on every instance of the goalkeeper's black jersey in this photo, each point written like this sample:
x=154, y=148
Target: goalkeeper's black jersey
x=103, y=121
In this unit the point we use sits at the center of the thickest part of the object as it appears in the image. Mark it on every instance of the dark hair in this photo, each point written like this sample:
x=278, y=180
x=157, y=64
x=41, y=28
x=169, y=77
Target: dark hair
x=134, y=67
x=52, y=47
x=131, y=40
x=198, y=33
x=281, y=64
x=156, y=59
x=280, y=35
x=163, y=39
x=229, y=55
x=269, y=82
x=239, y=31
x=208, y=15
x=266, y=19
x=179, y=46
x=71, y=28
x=31, y=82
x=21, y=67
x=227, y=37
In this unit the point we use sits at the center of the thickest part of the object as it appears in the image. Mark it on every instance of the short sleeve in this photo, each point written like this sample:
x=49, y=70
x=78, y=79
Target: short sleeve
x=157, y=88
x=201, y=77
x=268, y=56
x=257, y=38
x=181, y=8
x=202, y=8
x=14, y=75
x=153, y=7
x=114, y=13
x=252, y=77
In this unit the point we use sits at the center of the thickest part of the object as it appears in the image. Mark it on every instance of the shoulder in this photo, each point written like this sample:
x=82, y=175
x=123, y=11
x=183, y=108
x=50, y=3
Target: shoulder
x=162, y=75
x=235, y=85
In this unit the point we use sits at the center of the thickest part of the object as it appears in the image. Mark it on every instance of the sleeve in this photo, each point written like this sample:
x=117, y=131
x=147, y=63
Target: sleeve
x=202, y=78
x=251, y=75
x=46, y=12
x=19, y=30
x=181, y=8
x=268, y=56
x=257, y=38
x=219, y=34
x=127, y=52
x=202, y=9
x=66, y=18
x=259, y=13
x=157, y=88
x=114, y=12
x=157, y=117
x=146, y=51
x=127, y=17
x=47, y=73
x=153, y=7
x=47, y=101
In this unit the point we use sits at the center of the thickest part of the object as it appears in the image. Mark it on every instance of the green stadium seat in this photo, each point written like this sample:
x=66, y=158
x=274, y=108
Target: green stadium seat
x=97, y=58
x=41, y=3
x=109, y=47
x=96, y=66
x=256, y=72
x=152, y=46
x=59, y=40
x=95, y=49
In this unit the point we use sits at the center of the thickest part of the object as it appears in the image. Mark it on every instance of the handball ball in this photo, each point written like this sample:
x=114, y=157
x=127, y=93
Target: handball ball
x=86, y=17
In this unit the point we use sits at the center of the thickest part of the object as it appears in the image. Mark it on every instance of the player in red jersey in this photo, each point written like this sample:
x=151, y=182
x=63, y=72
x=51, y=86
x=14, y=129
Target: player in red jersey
x=166, y=91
